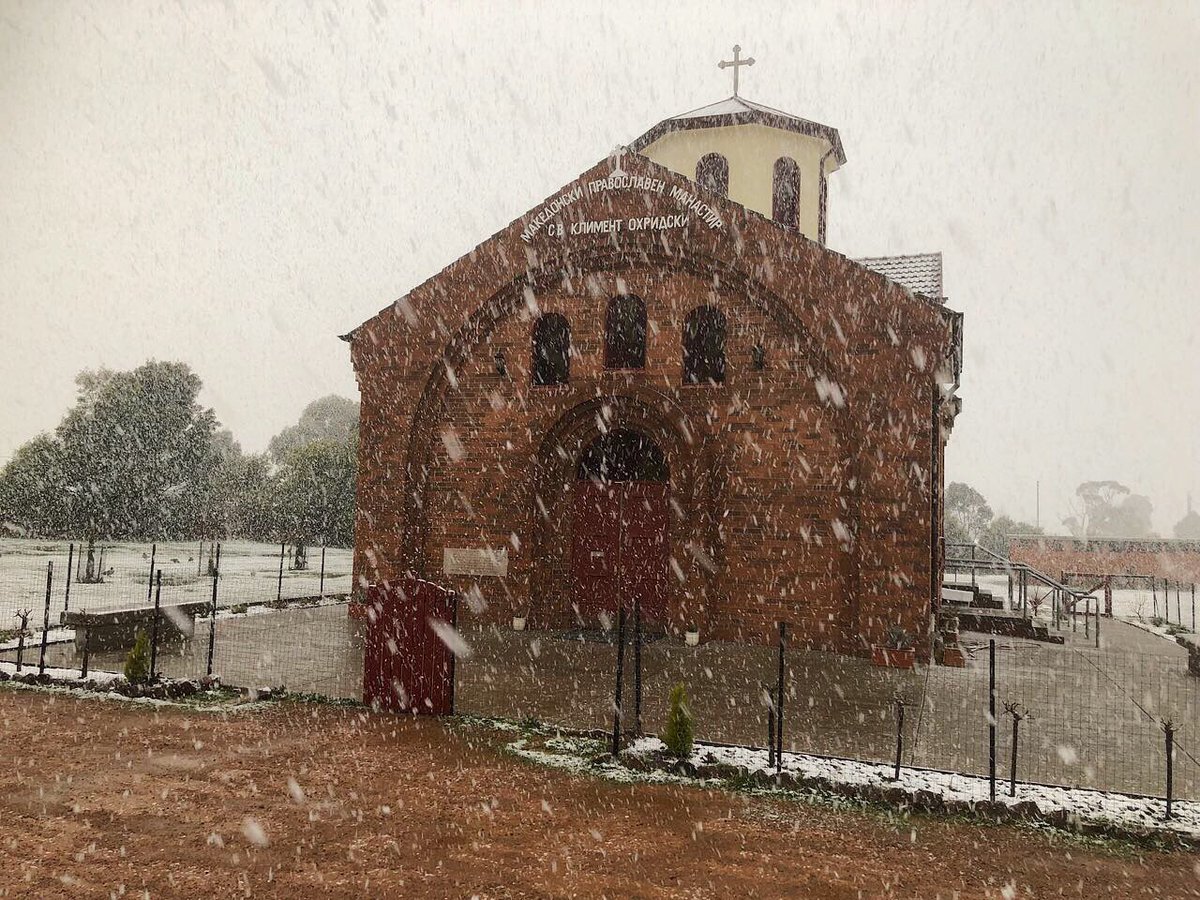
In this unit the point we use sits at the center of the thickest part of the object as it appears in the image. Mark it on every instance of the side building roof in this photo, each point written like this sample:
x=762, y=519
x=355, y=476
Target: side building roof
x=921, y=273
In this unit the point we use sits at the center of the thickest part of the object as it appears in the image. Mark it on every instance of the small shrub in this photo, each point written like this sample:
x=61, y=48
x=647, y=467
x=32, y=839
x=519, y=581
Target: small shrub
x=898, y=638
x=677, y=736
x=137, y=663
x=239, y=608
x=1158, y=621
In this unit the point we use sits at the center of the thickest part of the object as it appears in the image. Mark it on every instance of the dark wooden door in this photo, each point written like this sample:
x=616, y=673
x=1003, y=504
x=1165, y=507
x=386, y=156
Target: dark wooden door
x=619, y=549
x=594, y=545
x=643, y=562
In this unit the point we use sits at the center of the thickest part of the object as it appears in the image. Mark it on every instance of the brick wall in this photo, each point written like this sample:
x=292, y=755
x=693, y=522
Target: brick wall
x=1174, y=560
x=801, y=491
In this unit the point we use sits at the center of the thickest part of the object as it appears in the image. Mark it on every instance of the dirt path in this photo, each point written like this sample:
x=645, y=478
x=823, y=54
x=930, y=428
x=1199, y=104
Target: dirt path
x=100, y=798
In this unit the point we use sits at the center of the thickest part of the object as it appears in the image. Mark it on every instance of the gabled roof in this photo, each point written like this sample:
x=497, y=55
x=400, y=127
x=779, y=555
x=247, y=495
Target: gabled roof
x=729, y=238
x=921, y=273
x=740, y=111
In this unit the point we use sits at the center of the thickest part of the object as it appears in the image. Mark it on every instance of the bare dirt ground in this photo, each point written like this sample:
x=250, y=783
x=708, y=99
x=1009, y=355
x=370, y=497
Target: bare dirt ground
x=105, y=799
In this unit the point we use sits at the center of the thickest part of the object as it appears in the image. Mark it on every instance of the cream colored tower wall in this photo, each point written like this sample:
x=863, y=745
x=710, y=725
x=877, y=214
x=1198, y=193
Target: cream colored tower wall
x=751, y=151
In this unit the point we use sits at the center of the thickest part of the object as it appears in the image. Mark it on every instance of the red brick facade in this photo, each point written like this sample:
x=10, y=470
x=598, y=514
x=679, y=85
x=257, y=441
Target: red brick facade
x=805, y=490
x=1174, y=560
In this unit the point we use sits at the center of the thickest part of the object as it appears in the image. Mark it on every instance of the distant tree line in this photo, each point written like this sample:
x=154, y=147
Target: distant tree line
x=970, y=520
x=1101, y=509
x=138, y=458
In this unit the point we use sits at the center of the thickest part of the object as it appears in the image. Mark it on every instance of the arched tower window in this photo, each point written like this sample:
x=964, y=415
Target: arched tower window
x=785, y=194
x=551, y=349
x=704, y=346
x=625, y=333
x=712, y=173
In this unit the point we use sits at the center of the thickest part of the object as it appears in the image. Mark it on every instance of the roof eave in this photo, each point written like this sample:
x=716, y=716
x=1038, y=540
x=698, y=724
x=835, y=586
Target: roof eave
x=750, y=117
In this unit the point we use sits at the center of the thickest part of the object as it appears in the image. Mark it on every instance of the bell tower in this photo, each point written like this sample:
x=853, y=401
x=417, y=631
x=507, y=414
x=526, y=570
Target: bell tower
x=770, y=161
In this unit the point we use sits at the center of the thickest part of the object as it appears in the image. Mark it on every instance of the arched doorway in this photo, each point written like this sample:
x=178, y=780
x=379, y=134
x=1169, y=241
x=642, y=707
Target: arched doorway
x=620, y=517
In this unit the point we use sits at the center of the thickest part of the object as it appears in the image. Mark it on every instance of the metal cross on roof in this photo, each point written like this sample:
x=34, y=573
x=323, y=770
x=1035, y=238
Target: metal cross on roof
x=737, y=61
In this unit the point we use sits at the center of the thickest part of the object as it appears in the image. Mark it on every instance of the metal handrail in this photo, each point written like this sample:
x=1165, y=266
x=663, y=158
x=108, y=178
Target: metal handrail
x=1003, y=562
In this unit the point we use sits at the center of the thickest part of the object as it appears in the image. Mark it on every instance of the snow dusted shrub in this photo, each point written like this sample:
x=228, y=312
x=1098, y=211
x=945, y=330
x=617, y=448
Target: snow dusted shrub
x=137, y=663
x=677, y=736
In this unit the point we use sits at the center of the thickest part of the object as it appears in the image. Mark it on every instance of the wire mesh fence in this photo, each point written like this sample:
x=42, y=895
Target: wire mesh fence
x=1086, y=715
x=243, y=612
x=122, y=574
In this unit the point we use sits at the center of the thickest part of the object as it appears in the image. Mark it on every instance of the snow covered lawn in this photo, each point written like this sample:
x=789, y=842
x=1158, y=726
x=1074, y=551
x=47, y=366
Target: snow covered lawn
x=67, y=675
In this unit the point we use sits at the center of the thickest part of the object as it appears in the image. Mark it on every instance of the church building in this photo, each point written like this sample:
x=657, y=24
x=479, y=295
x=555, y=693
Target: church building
x=661, y=385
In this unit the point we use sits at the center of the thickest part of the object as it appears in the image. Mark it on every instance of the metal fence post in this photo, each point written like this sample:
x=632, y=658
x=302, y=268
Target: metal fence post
x=899, y=701
x=150, y=578
x=992, y=718
x=779, y=700
x=87, y=647
x=322, y=591
x=766, y=689
x=637, y=666
x=154, y=624
x=70, y=562
x=616, y=732
x=279, y=586
x=1193, y=607
x=46, y=620
x=212, y=614
x=1169, y=730
x=1012, y=763
x=453, y=658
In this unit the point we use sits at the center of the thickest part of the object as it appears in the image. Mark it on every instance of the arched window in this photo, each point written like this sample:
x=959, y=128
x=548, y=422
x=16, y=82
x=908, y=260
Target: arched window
x=625, y=333
x=712, y=173
x=704, y=346
x=551, y=349
x=623, y=455
x=785, y=194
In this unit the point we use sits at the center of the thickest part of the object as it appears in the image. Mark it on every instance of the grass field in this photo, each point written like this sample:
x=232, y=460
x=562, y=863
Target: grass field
x=249, y=574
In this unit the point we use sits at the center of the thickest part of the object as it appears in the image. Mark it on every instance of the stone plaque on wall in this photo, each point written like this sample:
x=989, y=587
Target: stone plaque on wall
x=472, y=561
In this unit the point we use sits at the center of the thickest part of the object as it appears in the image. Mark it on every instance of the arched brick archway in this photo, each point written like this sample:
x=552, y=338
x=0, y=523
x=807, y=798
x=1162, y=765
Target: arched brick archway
x=693, y=489
x=790, y=313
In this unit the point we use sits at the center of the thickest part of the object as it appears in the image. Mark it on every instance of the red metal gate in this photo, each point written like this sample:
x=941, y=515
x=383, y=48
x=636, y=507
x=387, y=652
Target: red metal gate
x=619, y=548
x=407, y=667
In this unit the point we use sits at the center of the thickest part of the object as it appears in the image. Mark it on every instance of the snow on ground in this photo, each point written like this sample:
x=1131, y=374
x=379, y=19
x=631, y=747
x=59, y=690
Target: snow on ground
x=33, y=639
x=249, y=574
x=1095, y=807
x=1167, y=632
x=60, y=674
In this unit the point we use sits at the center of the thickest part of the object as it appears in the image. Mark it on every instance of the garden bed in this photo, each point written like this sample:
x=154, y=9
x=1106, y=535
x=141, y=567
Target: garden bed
x=918, y=790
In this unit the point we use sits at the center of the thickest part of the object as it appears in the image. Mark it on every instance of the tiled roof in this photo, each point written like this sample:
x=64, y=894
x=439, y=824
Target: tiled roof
x=921, y=273
x=740, y=111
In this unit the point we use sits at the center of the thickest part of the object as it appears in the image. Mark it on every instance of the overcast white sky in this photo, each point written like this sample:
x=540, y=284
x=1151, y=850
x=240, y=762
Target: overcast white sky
x=235, y=184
